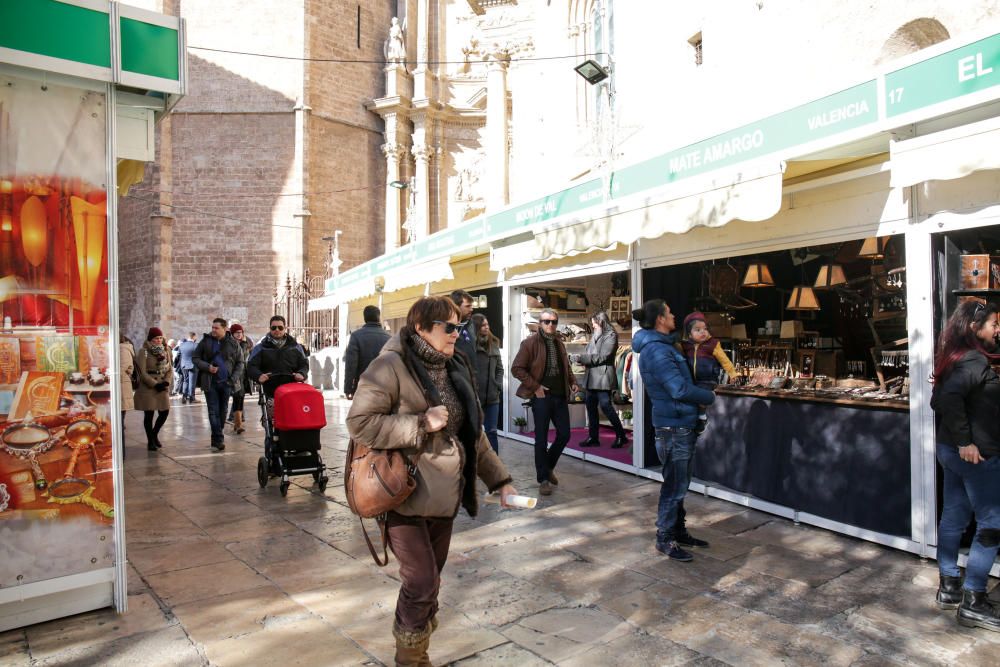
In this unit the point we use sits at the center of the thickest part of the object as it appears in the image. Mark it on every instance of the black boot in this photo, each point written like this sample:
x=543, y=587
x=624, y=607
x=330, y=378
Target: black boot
x=591, y=442
x=670, y=548
x=150, y=442
x=976, y=611
x=949, y=592
x=686, y=539
x=620, y=441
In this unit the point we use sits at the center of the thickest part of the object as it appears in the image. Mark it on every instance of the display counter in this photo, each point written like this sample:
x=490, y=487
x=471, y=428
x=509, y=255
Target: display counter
x=833, y=457
x=857, y=398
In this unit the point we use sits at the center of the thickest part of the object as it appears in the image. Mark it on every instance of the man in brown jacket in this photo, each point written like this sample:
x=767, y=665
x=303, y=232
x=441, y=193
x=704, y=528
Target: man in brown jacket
x=542, y=368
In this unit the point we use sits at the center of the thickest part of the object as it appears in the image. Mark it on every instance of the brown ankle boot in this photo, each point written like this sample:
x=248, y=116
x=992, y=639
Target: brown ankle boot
x=411, y=647
x=238, y=422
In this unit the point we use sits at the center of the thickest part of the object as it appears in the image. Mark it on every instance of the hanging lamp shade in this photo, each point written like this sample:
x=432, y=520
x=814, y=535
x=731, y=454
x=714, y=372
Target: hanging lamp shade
x=803, y=298
x=89, y=225
x=758, y=275
x=873, y=247
x=830, y=275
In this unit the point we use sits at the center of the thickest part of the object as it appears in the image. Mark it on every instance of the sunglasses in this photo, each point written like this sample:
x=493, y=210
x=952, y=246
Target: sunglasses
x=549, y=321
x=449, y=327
x=277, y=327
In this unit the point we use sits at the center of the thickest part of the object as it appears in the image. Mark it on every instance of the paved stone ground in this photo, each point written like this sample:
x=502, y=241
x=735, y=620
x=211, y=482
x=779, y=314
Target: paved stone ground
x=224, y=573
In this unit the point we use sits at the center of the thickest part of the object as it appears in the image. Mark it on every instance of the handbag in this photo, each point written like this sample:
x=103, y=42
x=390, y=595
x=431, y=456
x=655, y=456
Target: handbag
x=377, y=481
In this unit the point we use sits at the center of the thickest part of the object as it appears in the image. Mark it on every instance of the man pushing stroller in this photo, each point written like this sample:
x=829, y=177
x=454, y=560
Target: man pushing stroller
x=277, y=359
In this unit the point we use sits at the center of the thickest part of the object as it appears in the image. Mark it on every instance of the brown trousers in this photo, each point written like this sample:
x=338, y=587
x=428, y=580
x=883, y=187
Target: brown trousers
x=421, y=547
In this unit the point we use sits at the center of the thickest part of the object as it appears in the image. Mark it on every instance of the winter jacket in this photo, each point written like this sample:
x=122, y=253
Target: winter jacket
x=241, y=385
x=231, y=355
x=362, y=348
x=152, y=371
x=667, y=378
x=967, y=402
x=126, y=364
x=266, y=357
x=466, y=344
x=707, y=361
x=186, y=349
x=529, y=365
x=599, y=358
x=387, y=413
x=489, y=372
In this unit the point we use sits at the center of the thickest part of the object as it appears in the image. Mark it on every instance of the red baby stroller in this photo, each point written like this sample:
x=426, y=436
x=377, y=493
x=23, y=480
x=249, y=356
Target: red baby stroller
x=292, y=421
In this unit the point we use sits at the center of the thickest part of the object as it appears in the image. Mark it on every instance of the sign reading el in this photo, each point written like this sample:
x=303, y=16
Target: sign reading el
x=959, y=72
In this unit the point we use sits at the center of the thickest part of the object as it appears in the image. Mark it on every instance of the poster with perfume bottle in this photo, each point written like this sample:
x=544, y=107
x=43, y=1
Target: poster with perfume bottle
x=56, y=479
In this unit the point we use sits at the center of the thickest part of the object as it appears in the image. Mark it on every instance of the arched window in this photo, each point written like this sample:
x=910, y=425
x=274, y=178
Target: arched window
x=911, y=37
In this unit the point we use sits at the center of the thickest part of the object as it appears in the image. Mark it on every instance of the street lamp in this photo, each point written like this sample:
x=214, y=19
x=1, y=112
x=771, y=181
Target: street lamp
x=592, y=71
x=399, y=185
x=335, y=260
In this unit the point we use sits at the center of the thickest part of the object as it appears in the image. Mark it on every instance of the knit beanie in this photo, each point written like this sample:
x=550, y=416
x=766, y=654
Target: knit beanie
x=691, y=319
x=235, y=327
x=153, y=333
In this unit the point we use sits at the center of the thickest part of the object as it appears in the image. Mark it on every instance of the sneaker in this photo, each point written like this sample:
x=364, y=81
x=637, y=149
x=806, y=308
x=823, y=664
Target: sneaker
x=553, y=479
x=674, y=552
x=689, y=540
x=545, y=489
x=218, y=446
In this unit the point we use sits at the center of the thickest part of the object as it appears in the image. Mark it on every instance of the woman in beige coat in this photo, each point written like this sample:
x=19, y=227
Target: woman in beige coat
x=156, y=374
x=419, y=397
x=126, y=365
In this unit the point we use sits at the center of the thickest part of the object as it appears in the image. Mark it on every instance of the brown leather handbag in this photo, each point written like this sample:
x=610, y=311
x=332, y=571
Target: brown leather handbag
x=377, y=481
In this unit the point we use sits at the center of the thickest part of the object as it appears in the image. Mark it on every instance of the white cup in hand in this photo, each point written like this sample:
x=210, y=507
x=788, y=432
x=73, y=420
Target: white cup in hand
x=437, y=418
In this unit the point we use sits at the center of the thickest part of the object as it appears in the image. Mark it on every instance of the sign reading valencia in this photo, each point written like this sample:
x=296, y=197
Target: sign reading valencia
x=946, y=77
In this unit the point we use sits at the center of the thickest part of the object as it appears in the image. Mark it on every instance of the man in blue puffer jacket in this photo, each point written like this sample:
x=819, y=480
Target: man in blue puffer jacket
x=675, y=398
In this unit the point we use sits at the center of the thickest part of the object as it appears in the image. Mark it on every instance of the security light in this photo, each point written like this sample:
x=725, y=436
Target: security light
x=399, y=185
x=592, y=71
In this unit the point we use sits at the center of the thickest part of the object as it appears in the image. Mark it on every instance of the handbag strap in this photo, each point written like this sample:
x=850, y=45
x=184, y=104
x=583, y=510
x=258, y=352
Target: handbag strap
x=385, y=542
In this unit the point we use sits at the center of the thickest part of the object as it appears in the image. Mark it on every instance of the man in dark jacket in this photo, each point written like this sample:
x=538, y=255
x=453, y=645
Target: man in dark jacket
x=542, y=367
x=277, y=355
x=466, y=337
x=362, y=348
x=675, y=399
x=220, y=362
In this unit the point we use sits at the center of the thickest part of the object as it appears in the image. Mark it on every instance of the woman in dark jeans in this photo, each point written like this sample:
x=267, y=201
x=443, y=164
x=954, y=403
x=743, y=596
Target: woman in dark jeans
x=489, y=376
x=966, y=399
x=600, y=380
x=675, y=399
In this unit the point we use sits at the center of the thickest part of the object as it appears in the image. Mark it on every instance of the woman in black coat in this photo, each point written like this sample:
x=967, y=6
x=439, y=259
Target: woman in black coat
x=489, y=376
x=600, y=380
x=966, y=399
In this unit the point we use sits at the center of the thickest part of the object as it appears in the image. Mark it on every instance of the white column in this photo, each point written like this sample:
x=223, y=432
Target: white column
x=420, y=73
x=497, y=191
x=392, y=220
x=422, y=156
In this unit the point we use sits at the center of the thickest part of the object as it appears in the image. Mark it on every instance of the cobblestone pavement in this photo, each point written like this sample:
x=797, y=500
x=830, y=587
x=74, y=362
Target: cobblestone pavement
x=222, y=572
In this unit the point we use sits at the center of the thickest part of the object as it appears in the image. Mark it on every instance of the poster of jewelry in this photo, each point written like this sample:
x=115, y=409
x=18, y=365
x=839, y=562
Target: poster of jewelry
x=56, y=481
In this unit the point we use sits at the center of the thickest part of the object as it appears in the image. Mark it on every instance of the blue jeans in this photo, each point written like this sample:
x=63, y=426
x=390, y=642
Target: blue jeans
x=217, y=399
x=599, y=397
x=491, y=415
x=675, y=447
x=555, y=409
x=969, y=489
x=189, y=380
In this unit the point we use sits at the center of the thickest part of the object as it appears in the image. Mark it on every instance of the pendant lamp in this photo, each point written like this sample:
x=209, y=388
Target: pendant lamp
x=89, y=225
x=758, y=275
x=873, y=247
x=830, y=275
x=803, y=298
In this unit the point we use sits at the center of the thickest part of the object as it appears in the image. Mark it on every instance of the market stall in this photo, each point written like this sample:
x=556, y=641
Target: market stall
x=61, y=495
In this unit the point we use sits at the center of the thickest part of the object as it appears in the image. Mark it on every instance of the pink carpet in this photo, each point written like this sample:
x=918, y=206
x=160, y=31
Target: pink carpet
x=607, y=436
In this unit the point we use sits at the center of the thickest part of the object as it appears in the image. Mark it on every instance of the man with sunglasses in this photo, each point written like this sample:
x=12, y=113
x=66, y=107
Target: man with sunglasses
x=278, y=359
x=547, y=381
x=220, y=364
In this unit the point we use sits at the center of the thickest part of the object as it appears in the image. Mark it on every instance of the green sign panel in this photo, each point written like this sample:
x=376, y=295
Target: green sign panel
x=571, y=200
x=149, y=49
x=57, y=30
x=840, y=112
x=950, y=75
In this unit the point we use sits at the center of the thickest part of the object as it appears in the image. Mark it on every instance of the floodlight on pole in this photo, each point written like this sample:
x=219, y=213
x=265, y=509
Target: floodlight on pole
x=592, y=71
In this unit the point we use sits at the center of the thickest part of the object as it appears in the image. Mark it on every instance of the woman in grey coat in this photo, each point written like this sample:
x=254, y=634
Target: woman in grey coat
x=600, y=380
x=156, y=374
x=489, y=376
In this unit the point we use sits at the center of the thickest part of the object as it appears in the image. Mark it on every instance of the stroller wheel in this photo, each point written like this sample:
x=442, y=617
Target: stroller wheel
x=322, y=484
x=262, y=472
x=284, y=488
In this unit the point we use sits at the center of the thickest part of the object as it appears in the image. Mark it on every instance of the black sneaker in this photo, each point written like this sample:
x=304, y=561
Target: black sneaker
x=689, y=540
x=674, y=552
x=218, y=446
